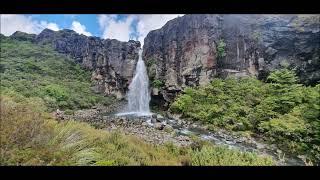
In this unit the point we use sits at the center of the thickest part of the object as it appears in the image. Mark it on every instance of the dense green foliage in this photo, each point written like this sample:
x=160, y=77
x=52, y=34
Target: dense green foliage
x=283, y=111
x=221, y=49
x=157, y=83
x=150, y=62
x=29, y=136
x=38, y=71
x=209, y=155
x=256, y=35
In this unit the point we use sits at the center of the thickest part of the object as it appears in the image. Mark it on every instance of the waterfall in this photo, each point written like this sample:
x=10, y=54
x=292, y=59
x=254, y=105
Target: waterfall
x=138, y=95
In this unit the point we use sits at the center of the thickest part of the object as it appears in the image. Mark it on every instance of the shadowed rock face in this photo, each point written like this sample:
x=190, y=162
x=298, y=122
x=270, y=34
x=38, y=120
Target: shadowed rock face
x=112, y=62
x=185, y=51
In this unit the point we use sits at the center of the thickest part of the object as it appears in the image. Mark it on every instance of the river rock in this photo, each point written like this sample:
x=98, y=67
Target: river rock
x=193, y=125
x=168, y=128
x=239, y=126
x=144, y=124
x=153, y=120
x=260, y=146
x=159, y=126
x=160, y=118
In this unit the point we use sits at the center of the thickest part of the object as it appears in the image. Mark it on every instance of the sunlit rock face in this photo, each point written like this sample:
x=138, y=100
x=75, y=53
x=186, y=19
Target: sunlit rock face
x=112, y=62
x=184, y=52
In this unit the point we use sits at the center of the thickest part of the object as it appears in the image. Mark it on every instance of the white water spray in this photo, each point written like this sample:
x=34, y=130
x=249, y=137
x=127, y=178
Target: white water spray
x=138, y=95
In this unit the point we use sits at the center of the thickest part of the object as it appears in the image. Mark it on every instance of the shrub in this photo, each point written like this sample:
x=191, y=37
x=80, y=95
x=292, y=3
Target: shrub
x=57, y=92
x=150, y=62
x=157, y=83
x=214, y=156
x=223, y=102
x=221, y=48
x=256, y=36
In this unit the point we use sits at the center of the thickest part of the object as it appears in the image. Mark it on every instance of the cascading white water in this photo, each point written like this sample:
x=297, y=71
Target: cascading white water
x=138, y=95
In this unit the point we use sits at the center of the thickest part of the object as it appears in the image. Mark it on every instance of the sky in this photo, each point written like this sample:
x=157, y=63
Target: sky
x=123, y=27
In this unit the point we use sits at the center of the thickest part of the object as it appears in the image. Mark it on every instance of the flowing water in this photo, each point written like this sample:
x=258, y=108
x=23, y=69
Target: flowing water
x=138, y=95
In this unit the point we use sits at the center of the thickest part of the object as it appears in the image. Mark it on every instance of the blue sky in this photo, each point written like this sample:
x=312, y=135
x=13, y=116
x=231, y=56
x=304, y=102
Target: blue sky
x=114, y=26
x=64, y=21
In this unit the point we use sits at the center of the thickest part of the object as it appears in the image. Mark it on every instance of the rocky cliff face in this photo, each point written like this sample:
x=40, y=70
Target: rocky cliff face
x=112, y=62
x=193, y=49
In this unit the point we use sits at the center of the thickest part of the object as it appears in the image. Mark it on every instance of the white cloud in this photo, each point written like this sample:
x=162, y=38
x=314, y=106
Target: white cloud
x=72, y=16
x=115, y=29
x=52, y=26
x=121, y=30
x=147, y=23
x=79, y=28
x=24, y=23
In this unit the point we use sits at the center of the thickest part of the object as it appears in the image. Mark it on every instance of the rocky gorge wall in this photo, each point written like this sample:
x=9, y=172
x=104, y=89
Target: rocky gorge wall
x=112, y=62
x=190, y=50
x=193, y=49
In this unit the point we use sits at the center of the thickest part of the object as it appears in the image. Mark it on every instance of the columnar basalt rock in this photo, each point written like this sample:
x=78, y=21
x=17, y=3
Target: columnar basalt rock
x=189, y=51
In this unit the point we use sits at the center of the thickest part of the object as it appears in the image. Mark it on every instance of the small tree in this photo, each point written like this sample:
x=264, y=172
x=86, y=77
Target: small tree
x=221, y=48
x=285, y=90
x=157, y=83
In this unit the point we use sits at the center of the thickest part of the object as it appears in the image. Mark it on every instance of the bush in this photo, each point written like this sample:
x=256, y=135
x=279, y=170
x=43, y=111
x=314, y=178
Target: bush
x=57, y=92
x=285, y=90
x=222, y=103
x=221, y=49
x=150, y=62
x=157, y=83
x=221, y=156
x=256, y=36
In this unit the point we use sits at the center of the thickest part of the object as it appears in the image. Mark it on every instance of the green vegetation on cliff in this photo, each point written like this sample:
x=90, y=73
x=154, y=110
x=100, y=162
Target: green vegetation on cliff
x=284, y=112
x=157, y=83
x=221, y=49
x=39, y=71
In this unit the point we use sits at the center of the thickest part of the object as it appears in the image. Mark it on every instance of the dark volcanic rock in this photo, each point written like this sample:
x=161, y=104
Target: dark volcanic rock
x=184, y=51
x=112, y=62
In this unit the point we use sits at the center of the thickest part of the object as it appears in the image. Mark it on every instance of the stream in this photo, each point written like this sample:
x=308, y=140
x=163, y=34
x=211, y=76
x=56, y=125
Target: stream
x=147, y=127
x=223, y=139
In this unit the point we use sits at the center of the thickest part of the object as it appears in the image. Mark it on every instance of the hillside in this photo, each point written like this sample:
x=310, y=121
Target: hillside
x=38, y=71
